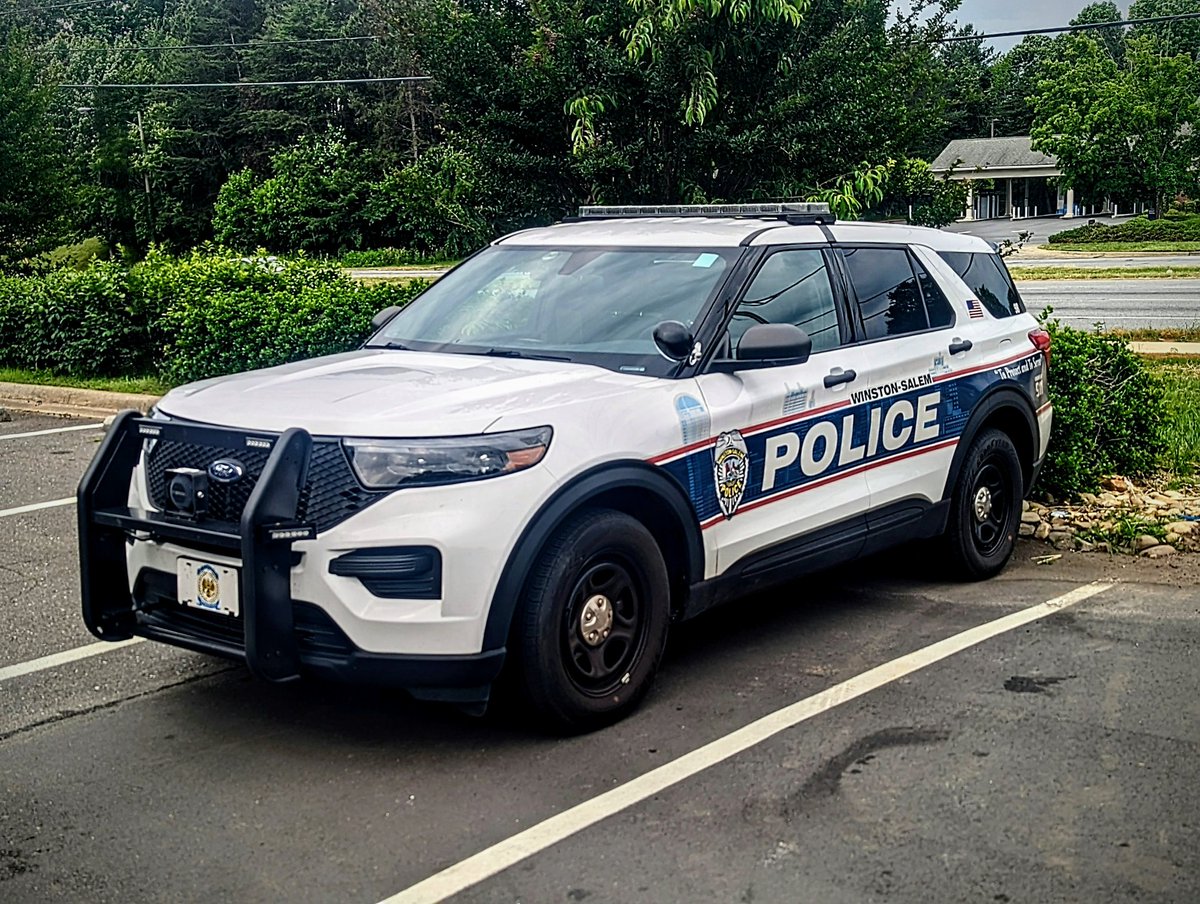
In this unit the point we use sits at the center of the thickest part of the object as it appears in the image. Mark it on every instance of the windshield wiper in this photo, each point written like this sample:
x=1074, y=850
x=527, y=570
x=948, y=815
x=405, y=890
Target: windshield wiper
x=392, y=344
x=512, y=353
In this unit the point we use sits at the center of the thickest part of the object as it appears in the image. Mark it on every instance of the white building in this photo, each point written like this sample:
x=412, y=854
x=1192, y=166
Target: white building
x=1007, y=178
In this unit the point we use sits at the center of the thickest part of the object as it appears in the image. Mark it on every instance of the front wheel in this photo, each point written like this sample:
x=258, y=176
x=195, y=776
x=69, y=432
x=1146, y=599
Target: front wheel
x=985, y=510
x=593, y=622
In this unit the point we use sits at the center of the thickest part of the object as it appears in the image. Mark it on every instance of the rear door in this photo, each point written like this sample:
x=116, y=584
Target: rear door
x=912, y=337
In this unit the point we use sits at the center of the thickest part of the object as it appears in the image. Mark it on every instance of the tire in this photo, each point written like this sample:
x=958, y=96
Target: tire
x=985, y=510
x=593, y=622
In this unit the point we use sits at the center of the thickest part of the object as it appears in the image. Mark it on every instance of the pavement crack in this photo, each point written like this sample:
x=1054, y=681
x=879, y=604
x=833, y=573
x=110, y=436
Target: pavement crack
x=63, y=715
x=1025, y=684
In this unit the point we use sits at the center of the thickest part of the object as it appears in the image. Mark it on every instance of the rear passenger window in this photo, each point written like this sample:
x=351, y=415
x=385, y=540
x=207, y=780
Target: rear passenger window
x=791, y=287
x=886, y=287
x=937, y=305
x=987, y=277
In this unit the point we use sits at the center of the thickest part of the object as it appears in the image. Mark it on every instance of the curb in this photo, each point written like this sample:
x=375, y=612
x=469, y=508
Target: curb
x=1167, y=349
x=68, y=401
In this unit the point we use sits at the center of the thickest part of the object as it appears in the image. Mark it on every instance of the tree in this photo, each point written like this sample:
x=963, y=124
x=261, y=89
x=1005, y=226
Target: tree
x=1014, y=82
x=1169, y=38
x=31, y=190
x=1111, y=39
x=1124, y=132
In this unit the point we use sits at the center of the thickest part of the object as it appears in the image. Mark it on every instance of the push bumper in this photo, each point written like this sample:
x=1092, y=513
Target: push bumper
x=279, y=638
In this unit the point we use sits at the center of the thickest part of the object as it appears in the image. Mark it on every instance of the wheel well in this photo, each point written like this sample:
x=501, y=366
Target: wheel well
x=1010, y=420
x=662, y=522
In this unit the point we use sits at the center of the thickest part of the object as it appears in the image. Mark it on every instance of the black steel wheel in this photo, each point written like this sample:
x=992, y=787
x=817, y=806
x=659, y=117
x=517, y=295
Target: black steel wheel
x=593, y=622
x=985, y=510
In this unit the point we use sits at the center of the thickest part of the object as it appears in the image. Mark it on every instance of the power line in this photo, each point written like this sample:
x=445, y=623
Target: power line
x=1088, y=26
x=327, y=81
x=228, y=45
x=42, y=9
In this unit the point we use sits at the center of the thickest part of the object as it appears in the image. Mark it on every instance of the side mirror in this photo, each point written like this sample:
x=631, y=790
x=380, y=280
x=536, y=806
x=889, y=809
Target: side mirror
x=776, y=343
x=384, y=316
x=673, y=339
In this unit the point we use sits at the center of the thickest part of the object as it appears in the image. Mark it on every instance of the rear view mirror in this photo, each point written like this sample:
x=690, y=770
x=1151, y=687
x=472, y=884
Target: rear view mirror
x=673, y=339
x=378, y=321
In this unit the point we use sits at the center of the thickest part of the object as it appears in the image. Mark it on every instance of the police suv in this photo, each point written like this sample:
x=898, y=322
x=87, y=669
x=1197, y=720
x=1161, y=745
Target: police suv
x=575, y=438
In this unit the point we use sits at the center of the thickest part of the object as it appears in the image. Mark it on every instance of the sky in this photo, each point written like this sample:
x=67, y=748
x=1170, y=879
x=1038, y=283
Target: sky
x=995, y=15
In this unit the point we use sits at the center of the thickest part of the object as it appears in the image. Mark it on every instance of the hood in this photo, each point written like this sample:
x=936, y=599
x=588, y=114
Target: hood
x=380, y=392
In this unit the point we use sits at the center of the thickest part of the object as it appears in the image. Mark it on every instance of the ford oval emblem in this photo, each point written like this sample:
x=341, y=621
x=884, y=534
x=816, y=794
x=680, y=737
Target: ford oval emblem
x=226, y=470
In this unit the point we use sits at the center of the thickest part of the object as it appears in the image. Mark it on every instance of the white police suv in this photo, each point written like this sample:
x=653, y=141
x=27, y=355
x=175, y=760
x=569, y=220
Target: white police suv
x=580, y=435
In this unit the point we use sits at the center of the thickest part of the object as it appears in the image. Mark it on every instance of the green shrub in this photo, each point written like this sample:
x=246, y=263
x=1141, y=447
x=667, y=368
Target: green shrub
x=200, y=316
x=1139, y=229
x=386, y=257
x=1109, y=413
x=227, y=315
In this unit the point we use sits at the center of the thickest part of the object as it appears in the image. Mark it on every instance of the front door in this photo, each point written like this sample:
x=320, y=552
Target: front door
x=784, y=462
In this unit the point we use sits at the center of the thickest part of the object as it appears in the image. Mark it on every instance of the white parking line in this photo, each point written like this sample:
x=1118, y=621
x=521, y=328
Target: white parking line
x=36, y=506
x=54, y=430
x=516, y=848
x=56, y=659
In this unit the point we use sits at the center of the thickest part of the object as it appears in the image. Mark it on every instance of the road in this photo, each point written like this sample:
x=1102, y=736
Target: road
x=1053, y=760
x=1093, y=263
x=1116, y=303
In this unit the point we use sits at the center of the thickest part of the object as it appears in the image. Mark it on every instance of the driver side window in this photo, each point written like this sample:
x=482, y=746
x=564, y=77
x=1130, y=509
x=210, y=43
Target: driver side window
x=791, y=287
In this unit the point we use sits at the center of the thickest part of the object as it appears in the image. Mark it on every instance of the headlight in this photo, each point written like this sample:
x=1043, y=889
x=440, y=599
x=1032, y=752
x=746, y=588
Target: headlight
x=388, y=463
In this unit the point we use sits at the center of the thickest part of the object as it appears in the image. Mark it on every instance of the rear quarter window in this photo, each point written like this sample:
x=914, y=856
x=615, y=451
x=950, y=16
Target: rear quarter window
x=986, y=276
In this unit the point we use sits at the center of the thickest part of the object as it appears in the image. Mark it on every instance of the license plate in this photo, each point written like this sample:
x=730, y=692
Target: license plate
x=204, y=585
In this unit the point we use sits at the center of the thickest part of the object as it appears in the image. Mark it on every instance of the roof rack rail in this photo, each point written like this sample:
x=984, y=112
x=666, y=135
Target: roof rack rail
x=795, y=213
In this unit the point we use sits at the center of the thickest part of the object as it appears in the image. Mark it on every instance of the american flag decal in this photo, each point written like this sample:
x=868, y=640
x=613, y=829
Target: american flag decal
x=974, y=308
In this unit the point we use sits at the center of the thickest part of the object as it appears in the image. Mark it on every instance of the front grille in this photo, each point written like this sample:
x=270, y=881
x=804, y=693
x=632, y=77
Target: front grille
x=331, y=494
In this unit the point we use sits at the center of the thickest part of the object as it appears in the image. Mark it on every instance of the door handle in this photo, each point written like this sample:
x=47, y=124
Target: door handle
x=958, y=346
x=846, y=376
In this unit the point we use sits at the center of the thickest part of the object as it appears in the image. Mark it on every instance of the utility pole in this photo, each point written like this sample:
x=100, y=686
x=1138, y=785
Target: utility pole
x=146, y=175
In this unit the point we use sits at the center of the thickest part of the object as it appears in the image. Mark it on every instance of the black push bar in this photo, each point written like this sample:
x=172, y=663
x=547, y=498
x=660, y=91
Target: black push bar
x=263, y=538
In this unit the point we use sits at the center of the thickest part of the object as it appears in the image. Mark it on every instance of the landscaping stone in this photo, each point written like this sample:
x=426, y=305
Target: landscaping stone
x=1158, y=552
x=1182, y=528
x=1144, y=542
x=1031, y=518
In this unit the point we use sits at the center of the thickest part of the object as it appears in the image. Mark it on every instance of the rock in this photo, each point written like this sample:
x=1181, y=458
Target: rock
x=1118, y=484
x=1083, y=524
x=5, y=417
x=1042, y=531
x=1062, y=539
x=1182, y=528
x=1084, y=545
x=1024, y=505
x=1158, y=552
x=1172, y=539
x=1089, y=498
x=1174, y=494
x=1144, y=542
x=1025, y=530
x=1030, y=518
x=1109, y=500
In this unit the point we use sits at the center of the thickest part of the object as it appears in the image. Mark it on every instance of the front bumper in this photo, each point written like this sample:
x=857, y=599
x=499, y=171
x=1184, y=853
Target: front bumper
x=278, y=636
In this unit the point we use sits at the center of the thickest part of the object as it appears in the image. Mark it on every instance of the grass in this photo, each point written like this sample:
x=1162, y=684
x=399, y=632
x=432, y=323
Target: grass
x=1025, y=273
x=1181, y=388
x=1178, y=247
x=1164, y=334
x=142, y=385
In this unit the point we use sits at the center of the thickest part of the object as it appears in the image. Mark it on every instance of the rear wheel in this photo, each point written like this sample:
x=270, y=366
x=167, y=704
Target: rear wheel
x=985, y=510
x=593, y=622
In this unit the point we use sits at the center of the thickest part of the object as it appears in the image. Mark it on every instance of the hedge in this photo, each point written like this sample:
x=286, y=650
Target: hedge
x=1139, y=229
x=1109, y=412
x=200, y=316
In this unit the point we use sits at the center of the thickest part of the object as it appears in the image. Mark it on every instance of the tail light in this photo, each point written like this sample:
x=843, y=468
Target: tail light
x=1041, y=341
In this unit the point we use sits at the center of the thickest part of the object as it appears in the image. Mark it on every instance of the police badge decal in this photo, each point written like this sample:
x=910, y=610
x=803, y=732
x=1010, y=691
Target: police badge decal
x=731, y=469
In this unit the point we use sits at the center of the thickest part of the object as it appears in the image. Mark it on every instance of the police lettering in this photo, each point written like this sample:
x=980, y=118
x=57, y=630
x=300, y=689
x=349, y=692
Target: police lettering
x=901, y=423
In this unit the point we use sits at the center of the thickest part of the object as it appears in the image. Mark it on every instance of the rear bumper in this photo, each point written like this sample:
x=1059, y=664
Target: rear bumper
x=277, y=636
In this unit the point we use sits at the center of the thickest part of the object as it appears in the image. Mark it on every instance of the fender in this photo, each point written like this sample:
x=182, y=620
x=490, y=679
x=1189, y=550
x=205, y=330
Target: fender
x=613, y=476
x=1002, y=397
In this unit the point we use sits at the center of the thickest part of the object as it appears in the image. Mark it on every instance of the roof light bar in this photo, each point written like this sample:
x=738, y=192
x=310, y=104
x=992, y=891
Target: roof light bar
x=780, y=211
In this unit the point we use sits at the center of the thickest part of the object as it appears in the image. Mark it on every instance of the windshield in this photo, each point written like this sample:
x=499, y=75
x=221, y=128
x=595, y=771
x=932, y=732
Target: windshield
x=587, y=305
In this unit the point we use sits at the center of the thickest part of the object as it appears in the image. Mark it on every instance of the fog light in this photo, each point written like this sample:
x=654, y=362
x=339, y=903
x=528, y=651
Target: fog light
x=187, y=491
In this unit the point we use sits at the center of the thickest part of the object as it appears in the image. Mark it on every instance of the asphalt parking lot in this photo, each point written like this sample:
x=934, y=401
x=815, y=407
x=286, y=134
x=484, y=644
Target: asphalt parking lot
x=1052, y=756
